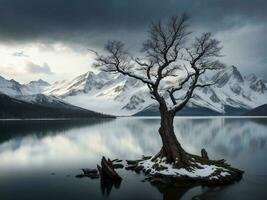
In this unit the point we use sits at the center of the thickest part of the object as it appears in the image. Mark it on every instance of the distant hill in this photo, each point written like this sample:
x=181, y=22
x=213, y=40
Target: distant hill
x=15, y=108
x=258, y=111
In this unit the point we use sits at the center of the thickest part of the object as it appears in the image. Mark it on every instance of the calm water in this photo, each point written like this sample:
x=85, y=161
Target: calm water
x=39, y=159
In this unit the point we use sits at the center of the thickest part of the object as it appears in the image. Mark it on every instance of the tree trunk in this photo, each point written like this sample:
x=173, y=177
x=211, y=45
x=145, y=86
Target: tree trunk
x=171, y=148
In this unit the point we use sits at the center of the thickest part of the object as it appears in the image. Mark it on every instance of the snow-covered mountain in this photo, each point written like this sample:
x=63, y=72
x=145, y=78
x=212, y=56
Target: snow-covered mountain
x=232, y=90
x=41, y=106
x=36, y=87
x=103, y=92
x=119, y=95
x=14, y=88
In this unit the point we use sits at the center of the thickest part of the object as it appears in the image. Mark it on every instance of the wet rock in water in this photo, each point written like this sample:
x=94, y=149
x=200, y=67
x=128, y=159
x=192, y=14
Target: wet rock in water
x=80, y=176
x=146, y=157
x=204, y=154
x=116, y=160
x=133, y=162
x=107, y=170
x=92, y=176
x=131, y=167
x=118, y=166
x=147, y=171
x=138, y=169
x=90, y=173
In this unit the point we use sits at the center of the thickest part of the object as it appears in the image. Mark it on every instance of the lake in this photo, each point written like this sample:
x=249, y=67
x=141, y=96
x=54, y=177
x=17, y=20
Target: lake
x=40, y=159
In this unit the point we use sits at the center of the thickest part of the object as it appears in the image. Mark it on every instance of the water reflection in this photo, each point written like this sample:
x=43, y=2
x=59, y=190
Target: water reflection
x=31, y=149
x=107, y=185
x=226, y=137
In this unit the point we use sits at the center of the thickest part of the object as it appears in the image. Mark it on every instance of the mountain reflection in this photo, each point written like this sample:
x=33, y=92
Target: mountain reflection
x=34, y=149
x=227, y=137
x=42, y=141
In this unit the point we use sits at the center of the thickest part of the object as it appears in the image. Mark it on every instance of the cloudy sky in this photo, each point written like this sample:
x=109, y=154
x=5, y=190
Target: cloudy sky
x=49, y=39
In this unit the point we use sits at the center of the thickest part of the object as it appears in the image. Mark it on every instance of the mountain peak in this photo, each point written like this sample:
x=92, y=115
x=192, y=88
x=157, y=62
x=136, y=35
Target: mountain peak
x=117, y=94
x=237, y=74
x=251, y=77
x=89, y=74
x=227, y=74
x=40, y=82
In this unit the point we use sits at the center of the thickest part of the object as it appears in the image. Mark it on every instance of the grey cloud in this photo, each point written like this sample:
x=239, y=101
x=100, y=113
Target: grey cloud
x=38, y=69
x=93, y=22
x=76, y=20
x=20, y=54
x=246, y=47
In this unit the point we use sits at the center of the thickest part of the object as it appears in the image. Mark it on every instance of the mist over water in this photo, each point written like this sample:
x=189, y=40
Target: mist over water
x=39, y=159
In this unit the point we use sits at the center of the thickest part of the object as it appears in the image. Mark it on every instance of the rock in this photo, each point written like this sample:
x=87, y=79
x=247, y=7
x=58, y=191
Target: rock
x=146, y=157
x=138, y=169
x=116, y=160
x=80, y=176
x=89, y=171
x=204, y=154
x=147, y=171
x=131, y=167
x=133, y=162
x=118, y=166
x=222, y=161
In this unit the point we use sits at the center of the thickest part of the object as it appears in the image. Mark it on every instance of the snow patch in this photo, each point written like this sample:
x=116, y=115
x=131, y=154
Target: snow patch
x=168, y=169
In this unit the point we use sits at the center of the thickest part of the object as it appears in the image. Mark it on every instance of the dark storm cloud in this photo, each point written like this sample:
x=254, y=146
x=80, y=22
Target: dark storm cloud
x=72, y=20
x=92, y=22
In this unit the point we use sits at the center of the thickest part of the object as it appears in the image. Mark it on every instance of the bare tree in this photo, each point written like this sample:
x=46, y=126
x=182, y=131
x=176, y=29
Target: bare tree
x=167, y=55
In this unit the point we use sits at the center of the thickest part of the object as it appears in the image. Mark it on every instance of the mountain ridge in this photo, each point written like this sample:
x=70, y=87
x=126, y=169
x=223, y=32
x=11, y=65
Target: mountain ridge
x=127, y=96
x=15, y=108
x=116, y=94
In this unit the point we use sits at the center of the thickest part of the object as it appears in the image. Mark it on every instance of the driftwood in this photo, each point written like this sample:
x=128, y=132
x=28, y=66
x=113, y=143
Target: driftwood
x=107, y=170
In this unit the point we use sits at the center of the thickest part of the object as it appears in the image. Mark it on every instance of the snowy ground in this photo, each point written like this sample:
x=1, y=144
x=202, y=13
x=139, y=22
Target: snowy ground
x=168, y=169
